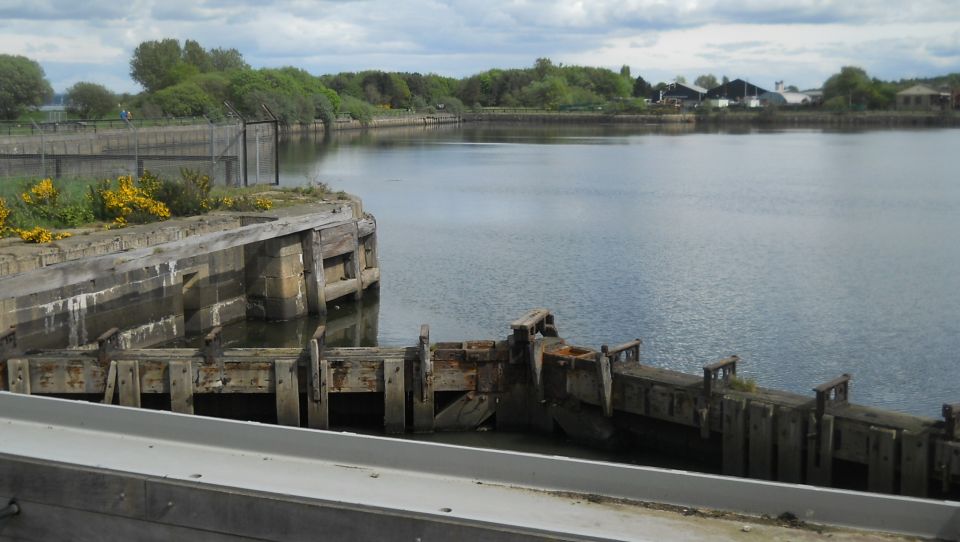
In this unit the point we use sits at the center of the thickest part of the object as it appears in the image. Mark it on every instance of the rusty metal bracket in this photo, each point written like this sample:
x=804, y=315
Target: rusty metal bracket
x=951, y=413
x=107, y=343
x=626, y=352
x=213, y=352
x=836, y=391
x=8, y=344
x=718, y=372
x=426, y=364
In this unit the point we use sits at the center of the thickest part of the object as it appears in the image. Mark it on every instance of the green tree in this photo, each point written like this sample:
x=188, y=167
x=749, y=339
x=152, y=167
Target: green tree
x=226, y=59
x=625, y=72
x=154, y=64
x=641, y=88
x=680, y=79
x=185, y=99
x=90, y=100
x=725, y=80
x=195, y=55
x=853, y=84
x=706, y=81
x=22, y=85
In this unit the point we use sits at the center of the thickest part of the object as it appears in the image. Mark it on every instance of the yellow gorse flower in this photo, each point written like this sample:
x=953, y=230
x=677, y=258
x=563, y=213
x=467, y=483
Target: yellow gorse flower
x=129, y=199
x=41, y=235
x=42, y=193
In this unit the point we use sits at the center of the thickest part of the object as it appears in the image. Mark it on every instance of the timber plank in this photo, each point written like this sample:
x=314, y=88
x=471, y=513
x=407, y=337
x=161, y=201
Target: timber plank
x=128, y=382
x=914, y=464
x=394, y=397
x=882, y=465
x=760, y=464
x=790, y=443
x=287, y=392
x=734, y=436
x=181, y=386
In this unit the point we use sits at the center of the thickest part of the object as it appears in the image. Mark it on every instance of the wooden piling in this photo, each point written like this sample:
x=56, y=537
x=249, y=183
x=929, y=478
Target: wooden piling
x=318, y=403
x=882, y=460
x=287, y=392
x=605, y=382
x=18, y=376
x=536, y=367
x=790, y=443
x=734, y=436
x=394, y=398
x=760, y=464
x=181, y=386
x=423, y=398
x=111, y=384
x=128, y=382
x=914, y=463
x=357, y=269
x=313, y=275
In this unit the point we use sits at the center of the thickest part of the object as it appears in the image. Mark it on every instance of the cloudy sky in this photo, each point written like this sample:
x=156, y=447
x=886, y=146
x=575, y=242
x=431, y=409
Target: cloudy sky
x=801, y=42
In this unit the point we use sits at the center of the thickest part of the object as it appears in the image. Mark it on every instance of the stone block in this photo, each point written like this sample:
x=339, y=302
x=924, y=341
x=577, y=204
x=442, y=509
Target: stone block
x=277, y=287
x=284, y=266
x=284, y=309
x=282, y=246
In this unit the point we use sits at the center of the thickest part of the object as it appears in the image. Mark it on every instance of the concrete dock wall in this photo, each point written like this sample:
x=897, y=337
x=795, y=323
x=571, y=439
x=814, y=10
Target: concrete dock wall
x=157, y=283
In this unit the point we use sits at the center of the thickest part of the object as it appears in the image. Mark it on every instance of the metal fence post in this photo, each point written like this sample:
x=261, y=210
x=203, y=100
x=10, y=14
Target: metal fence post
x=43, y=149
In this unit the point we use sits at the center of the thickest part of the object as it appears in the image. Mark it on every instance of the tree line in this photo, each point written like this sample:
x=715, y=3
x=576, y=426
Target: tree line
x=188, y=80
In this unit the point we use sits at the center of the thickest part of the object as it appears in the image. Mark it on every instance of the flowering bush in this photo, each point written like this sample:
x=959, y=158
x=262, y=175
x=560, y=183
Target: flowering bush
x=4, y=215
x=42, y=193
x=41, y=235
x=243, y=203
x=127, y=203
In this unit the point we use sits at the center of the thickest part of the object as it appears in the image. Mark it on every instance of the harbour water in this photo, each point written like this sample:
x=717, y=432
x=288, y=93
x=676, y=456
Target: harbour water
x=808, y=253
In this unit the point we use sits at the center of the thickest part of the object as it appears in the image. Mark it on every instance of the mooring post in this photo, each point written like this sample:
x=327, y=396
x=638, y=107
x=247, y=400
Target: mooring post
x=536, y=366
x=424, y=417
x=318, y=404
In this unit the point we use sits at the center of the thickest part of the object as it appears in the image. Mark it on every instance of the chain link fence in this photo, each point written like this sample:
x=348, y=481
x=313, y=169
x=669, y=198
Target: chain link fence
x=232, y=152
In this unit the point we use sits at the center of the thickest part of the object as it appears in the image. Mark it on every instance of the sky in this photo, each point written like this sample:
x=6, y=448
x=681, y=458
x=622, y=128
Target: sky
x=801, y=42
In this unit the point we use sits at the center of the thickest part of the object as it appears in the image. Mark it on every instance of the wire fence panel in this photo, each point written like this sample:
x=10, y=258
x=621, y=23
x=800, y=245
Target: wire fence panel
x=261, y=153
x=231, y=152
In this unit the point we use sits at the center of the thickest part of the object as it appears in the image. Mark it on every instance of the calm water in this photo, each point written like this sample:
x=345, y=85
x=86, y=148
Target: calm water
x=807, y=253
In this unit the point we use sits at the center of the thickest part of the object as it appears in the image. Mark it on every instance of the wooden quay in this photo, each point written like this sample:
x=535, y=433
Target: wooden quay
x=533, y=380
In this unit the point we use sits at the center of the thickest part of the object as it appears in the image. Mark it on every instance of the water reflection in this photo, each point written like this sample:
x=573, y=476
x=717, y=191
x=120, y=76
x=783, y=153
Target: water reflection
x=349, y=323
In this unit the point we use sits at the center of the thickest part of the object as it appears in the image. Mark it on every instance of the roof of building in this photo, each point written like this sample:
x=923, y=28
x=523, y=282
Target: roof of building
x=919, y=90
x=738, y=88
x=790, y=98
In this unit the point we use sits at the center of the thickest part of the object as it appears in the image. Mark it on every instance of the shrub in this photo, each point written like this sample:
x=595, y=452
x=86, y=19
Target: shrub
x=128, y=203
x=41, y=235
x=188, y=196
